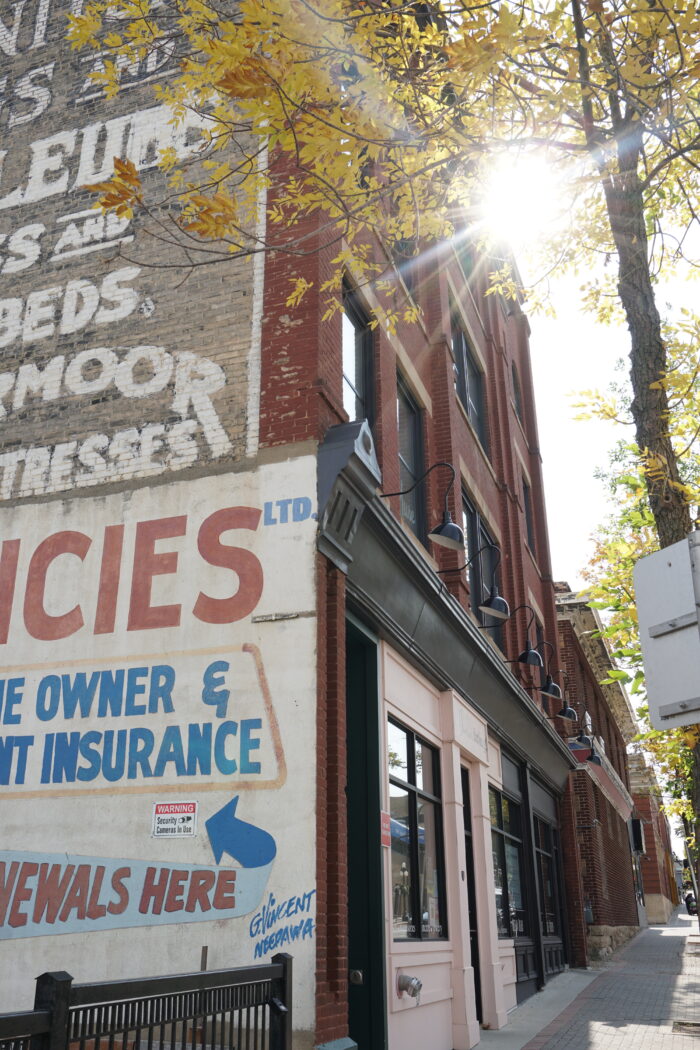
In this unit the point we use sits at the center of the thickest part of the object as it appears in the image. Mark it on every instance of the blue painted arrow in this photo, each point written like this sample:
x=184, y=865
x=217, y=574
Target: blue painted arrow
x=249, y=845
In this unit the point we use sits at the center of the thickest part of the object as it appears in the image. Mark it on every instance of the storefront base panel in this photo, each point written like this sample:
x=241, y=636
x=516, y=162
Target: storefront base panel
x=506, y=953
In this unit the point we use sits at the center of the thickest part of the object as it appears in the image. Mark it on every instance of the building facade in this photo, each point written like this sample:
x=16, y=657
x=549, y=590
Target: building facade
x=247, y=702
x=602, y=869
x=657, y=864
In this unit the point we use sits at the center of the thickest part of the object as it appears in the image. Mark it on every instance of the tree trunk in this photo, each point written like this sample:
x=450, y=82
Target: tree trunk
x=648, y=363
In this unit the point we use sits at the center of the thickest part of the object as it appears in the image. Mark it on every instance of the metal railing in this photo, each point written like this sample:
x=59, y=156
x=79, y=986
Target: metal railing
x=248, y=1008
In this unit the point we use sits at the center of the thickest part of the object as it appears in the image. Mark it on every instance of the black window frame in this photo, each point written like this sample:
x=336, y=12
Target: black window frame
x=362, y=384
x=413, y=504
x=546, y=855
x=517, y=393
x=417, y=930
x=530, y=530
x=506, y=921
x=470, y=381
x=480, y=570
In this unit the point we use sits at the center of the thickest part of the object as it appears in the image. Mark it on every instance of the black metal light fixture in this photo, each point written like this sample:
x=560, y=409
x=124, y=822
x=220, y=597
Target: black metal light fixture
x=550, y=687
x=583, y=739
x=447, y=533
x=594, y=757
x=567, y=710
x=494, y=605
x=529, y=655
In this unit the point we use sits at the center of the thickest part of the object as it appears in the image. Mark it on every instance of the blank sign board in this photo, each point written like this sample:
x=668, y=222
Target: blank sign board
x=667, y=588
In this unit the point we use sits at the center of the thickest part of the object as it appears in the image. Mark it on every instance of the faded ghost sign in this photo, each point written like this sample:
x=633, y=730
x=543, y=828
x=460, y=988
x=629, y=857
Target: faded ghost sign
x=157, y=645
x=114, y=367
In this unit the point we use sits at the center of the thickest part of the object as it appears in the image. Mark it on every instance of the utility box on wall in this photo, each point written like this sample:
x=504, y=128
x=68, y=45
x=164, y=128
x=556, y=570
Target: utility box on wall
x=667, y=586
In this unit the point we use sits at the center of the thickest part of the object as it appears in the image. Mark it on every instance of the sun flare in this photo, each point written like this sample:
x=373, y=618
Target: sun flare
x=523, y=201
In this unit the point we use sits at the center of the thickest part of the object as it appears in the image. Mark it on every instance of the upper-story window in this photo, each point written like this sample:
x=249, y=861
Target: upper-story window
x=517, y=393
x=417, y=856
x=411, y=462
x=358, y=340
x=482, y=556
x=529, y=517
x=469, y=381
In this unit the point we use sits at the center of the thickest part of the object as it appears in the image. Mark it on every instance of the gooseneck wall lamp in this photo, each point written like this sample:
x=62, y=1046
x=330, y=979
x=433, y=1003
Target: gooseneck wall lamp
x=567, y=710
x=529, y=655
x=550, y=687
x=447, y=533
x=494, y=605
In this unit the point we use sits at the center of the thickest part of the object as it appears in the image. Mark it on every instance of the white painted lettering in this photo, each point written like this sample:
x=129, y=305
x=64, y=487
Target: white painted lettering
x=79, y=305
x=29, y=90
x=157, y=361
x=101, y=143
x=39, y=322
x=125, y=299
x=40, y=23
x=100, y=365
x=10, y=320
x=23, y=248
x=36, y=319
x=32, y=380
x=48, y=172
x=9, y=34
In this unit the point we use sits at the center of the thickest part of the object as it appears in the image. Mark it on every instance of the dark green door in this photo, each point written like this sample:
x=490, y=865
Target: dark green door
x=366, y=983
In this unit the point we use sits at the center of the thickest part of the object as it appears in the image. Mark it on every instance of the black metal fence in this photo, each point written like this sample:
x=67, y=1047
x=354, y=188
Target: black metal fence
x=249, y=1008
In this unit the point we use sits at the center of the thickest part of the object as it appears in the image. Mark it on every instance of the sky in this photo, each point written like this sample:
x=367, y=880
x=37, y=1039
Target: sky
x=571, y=353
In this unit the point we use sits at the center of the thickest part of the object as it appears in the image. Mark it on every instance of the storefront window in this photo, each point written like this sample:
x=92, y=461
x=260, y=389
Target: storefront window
x=417, y=864
x=506, y=843
x=544, y=853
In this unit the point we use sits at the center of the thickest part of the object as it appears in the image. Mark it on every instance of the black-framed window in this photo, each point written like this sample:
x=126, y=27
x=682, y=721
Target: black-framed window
x=411, y=460
x=407, y=261
x=529, y=517
x=508, y=867
x=481, y=566
x=417, y=852
x=517, y=393
x=546, y=861
x=469, y=381
x=358, y=355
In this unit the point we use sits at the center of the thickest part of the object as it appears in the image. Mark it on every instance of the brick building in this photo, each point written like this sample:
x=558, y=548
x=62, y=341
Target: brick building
x=248, y=703
x=656, y=861
x=600, y=866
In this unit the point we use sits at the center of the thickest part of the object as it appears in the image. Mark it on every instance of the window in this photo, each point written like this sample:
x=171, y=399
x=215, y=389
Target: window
x=469, y=380
x=481, y=568
x=406, y=260
x=507, y=847
x=357, y=343
x=517, y=393
x=545, y=858
x=408, y=418
x=529, y=517
x=417, y=863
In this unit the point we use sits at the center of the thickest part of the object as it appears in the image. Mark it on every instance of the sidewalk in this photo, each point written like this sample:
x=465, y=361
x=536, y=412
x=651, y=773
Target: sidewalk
x=637, y=1002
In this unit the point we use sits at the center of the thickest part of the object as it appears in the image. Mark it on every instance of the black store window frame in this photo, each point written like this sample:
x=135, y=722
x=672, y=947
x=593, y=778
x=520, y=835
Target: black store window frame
x=509, y=865
x=469, y=380
x=358, y=358
x=481, y=566
x=546, y=863
x=419, y=906
x=409, y=422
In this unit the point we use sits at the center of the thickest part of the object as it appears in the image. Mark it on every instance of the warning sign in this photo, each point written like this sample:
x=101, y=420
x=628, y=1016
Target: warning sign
x=174, y=818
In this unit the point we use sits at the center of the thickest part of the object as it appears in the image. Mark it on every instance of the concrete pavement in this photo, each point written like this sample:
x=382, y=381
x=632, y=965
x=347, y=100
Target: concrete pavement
x=638, y=1001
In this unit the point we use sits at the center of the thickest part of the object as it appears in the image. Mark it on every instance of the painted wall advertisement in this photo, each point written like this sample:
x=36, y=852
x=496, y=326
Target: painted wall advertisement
x=157, y=646
x=157, y=720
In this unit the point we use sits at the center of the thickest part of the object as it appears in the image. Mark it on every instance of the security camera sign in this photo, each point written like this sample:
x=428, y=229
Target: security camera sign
x=174, y=819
